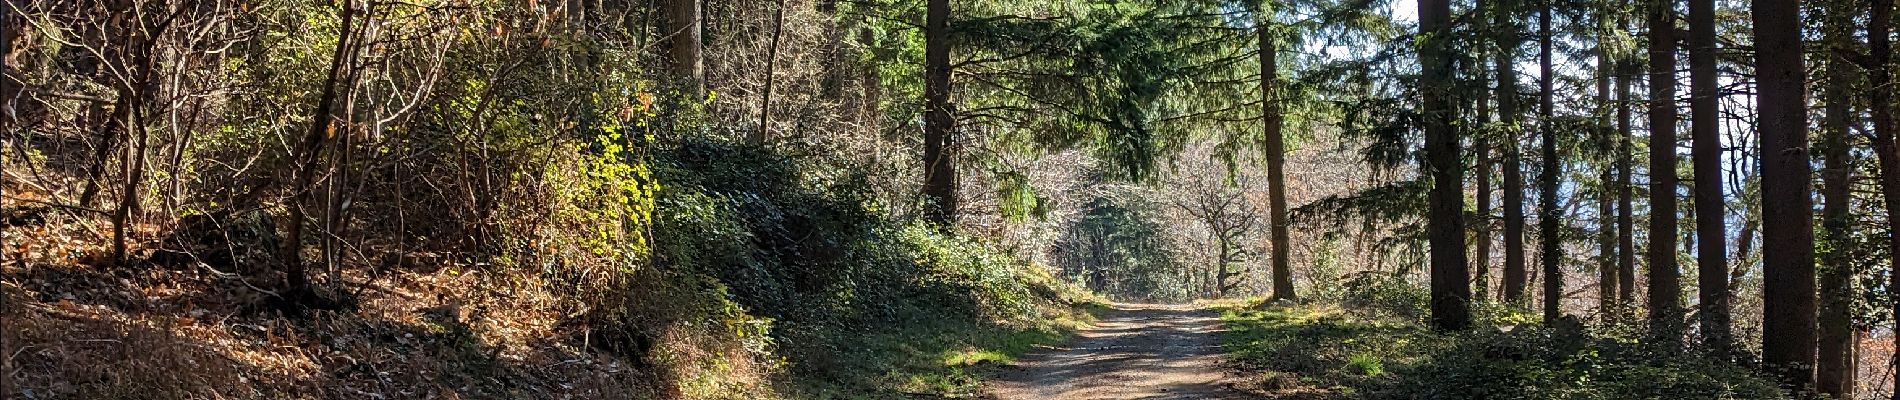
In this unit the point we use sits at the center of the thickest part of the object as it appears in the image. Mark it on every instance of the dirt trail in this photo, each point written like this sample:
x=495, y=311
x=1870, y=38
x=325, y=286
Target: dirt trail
x=1136, y=351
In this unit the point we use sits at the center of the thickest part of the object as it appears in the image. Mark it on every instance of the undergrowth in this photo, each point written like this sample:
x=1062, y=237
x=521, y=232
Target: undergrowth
x=1329, y=352
x=770, y=273
x=853, y=302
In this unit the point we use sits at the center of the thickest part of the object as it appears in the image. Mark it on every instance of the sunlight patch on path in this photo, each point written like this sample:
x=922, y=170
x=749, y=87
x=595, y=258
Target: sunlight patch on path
x=1137, y=351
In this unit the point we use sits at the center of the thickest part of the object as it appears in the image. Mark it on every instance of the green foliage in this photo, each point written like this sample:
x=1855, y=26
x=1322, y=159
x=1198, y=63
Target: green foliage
x=1118, y=249
x=779, y=253
x=1386, y=294
x=1016, y=199
x=1365, y=364
x=1384, y=358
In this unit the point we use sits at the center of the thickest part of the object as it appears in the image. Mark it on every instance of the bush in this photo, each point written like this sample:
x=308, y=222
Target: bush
x=1387, y=294
x=790, y=261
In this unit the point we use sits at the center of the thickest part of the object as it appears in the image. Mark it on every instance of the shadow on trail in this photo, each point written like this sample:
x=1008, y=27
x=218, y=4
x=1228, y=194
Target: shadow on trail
x=1136, y=351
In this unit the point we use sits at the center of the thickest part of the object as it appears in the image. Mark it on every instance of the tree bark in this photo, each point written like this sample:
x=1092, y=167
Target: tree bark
x=1481, y=283
x=1836, y=361
x=1880, y=104
x=1606, y=178
x=1276, y=160
x=1548, y=213
x=940, y=173
x=684, y=45
x=1665, y=286
x=1706, y=155
x=1625, y=188
x=309, y=152
x=1788, y=320
x=1512, y=170
x=1450, y=289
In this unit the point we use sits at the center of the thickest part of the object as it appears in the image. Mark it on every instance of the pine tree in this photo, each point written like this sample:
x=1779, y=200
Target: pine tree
x=1788, y=314
x=1706, y=155
x=1511, y=145
x=1450, y=289
x=1273, y=121
x=1835, y=365
x=940, y=171
x=1548, y=214
x=1665, y=280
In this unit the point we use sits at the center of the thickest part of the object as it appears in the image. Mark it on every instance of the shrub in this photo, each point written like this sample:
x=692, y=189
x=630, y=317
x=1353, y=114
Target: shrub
x=1386, y=293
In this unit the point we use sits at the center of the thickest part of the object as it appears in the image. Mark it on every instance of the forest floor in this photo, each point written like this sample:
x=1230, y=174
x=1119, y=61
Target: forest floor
x=1135, y=351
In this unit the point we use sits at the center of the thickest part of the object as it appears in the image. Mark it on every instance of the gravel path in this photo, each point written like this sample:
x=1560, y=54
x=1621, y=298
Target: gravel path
x=1136, y=351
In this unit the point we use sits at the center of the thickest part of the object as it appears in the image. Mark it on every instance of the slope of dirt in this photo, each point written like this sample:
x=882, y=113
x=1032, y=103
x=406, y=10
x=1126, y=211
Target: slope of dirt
x=1137, y=351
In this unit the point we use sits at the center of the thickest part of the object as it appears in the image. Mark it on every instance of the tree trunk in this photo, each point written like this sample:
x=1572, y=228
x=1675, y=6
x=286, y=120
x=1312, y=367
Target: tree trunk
x=1880, y=103
x=1482, y=227
x=1276, y=161
x=1710, y=216
x=1221, y=273
x=1548, y=213
x=1788, y=306
x=1513, y=169
x=1625, y=196
x=1450, y=289
x=109, y=135
x=940, y=173
x=309, y=152
x=1606, y=178
x=683, y=30
x=1665, y=281
x=1835, y=363
x=132, y=171
x=764, y=133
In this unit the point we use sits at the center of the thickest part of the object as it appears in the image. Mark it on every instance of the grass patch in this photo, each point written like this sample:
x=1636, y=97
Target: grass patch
x=936, y=358
x=1321, y=351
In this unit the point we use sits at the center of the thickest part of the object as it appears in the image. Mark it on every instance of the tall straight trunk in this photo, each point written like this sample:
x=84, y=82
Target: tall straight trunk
x=1706, y=155
x=1481, y=283
x=1276, y=160
x=1788, y=301
x=1625, y=196
x=1665, y=281
x=1880, y=103
x=940, y=172
x=683, y=33
x=1511, y=146
x=1547, y=211
x=1835, y=362
x=1606, y=178
x=1450, y=287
